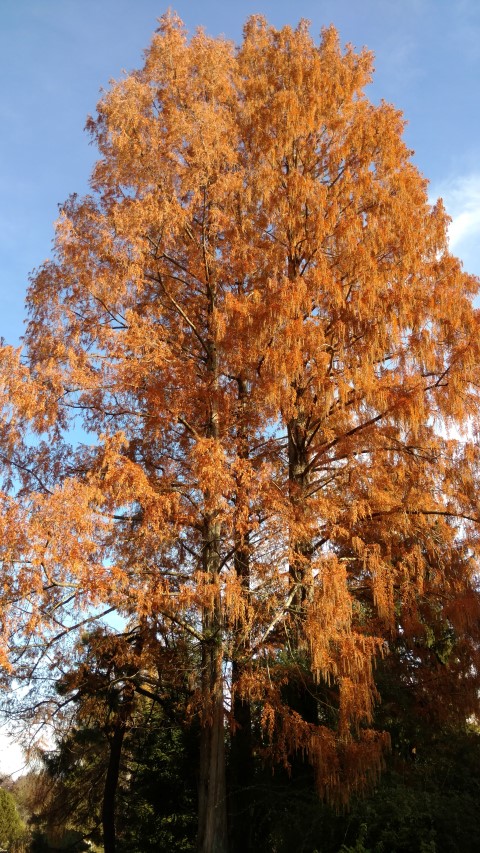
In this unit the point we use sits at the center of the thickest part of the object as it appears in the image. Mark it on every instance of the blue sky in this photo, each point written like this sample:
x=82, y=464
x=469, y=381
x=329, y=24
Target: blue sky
x=55, y=55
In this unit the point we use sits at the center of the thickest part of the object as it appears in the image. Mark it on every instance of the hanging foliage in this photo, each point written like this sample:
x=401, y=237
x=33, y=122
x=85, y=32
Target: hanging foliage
x=255, y=320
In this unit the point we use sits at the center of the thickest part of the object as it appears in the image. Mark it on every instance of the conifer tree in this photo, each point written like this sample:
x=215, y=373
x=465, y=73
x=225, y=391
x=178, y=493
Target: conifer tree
x=256, y=319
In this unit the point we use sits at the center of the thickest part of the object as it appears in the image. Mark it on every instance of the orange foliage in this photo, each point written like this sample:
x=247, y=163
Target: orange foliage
x=256, y=319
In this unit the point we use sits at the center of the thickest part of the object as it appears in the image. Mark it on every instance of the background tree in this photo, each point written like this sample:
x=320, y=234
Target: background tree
x=256, y=320
x=123, y=772
x=12, y=828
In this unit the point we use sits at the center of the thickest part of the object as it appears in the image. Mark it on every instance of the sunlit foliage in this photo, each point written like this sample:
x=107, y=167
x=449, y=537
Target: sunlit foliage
x=256, y=320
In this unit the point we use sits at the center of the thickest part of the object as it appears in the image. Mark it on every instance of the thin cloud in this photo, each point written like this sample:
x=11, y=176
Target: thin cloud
x=465, y=225
x=461, y=197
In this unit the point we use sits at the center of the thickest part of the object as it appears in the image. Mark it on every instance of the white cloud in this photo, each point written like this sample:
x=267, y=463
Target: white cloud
x=461, y=196
x=466, y=224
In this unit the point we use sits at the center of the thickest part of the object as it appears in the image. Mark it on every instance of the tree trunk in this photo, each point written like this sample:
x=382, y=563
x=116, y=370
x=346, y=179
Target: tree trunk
x=110, y=789
x=241, y=746
x=301, y=547
x=212, y=794
x=301, y=693
x=242, y=771
x=241, y=751
x=212, y=799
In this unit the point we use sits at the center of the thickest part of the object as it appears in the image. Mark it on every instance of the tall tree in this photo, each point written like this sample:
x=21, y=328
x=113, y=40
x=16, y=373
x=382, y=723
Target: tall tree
x=256, y=320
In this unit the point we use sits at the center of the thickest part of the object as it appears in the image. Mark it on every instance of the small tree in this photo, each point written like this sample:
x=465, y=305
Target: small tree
x=11, y=825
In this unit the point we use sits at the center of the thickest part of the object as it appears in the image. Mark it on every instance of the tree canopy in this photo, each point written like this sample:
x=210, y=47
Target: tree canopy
x=256, y=322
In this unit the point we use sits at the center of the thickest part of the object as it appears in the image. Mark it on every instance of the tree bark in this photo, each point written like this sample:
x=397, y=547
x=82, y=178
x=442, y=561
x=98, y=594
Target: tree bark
x=242, y=771
x=212, y=799
x=212, y=815
x=301, y=696
x=241, y=749
x=301, y=547
x=110, y=789
x=241, y=763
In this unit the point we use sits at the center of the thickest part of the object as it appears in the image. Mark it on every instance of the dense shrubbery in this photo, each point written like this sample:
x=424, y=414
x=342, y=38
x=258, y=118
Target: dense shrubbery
x=426, y=801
